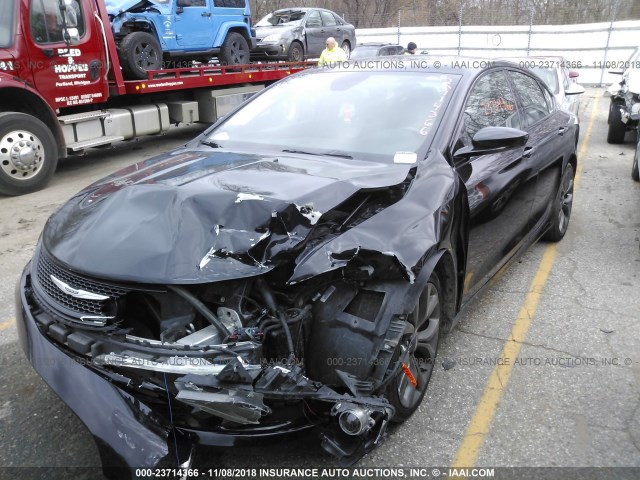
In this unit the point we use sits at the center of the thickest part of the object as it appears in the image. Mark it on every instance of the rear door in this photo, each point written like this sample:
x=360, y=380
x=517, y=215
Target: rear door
x=68, y=75
x=547, y=127
x=500, y=186
x=331, y=27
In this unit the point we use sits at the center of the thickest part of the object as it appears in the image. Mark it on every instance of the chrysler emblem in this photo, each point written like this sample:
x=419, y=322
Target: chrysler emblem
x=81, y=294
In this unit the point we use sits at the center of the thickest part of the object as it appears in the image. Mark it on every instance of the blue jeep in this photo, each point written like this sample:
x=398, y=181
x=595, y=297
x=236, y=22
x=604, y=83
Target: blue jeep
x=150, y=31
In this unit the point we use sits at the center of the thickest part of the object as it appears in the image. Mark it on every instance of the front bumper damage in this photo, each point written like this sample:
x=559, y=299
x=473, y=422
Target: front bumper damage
x=137, y=405
x=202, y=313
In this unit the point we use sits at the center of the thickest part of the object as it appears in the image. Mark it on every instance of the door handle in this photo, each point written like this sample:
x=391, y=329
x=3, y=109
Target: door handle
x=206, y=14
x=562, y=130
x=528, y=151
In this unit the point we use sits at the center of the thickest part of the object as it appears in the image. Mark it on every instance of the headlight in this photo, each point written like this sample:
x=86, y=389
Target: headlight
x=275, y=38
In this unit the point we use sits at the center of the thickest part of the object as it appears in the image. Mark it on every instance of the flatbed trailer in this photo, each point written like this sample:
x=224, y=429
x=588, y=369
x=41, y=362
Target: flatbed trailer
x=63, y=93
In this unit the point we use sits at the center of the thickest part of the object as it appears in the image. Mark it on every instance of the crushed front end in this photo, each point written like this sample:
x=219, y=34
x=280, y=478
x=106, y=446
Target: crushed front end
x=174, y=310
x=226, y=359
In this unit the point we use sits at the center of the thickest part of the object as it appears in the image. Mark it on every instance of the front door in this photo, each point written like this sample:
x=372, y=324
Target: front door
x=316, y=34
x=500, y=186
x=69, y=75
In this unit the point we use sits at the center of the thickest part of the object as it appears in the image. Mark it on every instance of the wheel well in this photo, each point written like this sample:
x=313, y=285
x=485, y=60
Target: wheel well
x=347, y=42
x=445, y=269
x=242, y=32
x=23, y=101
x=131, y=27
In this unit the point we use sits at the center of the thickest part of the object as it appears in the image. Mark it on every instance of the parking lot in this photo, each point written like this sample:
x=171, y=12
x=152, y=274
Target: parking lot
x=543, y=369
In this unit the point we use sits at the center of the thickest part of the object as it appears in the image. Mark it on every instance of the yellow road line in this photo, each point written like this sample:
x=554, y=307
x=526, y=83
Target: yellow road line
x=7, y=324
x=582, y=151
x=477, y=430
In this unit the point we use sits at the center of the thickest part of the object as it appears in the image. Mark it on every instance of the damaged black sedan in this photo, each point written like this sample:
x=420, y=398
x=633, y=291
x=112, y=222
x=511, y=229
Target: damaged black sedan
x=295, y=265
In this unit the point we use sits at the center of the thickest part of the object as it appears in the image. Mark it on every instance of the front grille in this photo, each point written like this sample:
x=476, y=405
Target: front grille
x=78, y=306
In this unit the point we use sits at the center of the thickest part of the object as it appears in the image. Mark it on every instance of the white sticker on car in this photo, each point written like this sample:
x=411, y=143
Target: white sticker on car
x=405, y=157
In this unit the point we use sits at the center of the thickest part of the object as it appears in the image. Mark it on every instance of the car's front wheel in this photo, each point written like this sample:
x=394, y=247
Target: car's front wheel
x=296, y=52
x=562, y=207
x=421, y=337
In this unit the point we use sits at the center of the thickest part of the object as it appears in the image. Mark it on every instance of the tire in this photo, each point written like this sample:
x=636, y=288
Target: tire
x=635, y=173
x=28, y=154
x=614, y=103
x=617, y=127
x=347, y=48
x=234, y=50
x=296, y=52
x=562, y=207
x=427, y=315
x=138, y=53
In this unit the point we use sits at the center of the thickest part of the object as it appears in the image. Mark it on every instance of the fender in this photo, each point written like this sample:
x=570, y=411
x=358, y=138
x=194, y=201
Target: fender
x=121, y=25
x=18, y=96
x=226, y=27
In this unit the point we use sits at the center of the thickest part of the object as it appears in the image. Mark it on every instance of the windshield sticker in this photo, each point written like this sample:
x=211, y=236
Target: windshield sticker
x=243, y=197
x=496, y=105
x=405, y=157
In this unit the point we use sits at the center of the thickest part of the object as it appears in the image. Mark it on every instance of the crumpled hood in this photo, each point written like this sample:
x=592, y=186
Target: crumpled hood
x=193, y=216
x=115, y=7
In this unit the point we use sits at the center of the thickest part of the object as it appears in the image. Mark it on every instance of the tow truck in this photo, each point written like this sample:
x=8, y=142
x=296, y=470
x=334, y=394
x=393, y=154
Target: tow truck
x=62, y=90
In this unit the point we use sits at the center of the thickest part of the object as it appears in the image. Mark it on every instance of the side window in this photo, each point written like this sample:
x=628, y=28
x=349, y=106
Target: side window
x=339, y=21
x=328, y=19
x=197, y=3
x=383, y=52
x=534, y=104
x=491, y=104
x=47, y=22
x=225, y=3
x=313, y=20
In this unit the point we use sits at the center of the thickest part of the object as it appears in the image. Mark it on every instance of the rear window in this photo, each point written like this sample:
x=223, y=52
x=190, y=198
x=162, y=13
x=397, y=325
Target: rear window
x=229, y=3
x=7, y=23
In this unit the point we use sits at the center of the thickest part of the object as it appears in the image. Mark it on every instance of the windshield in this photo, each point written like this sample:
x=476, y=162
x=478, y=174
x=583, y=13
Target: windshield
x=281, y=18
x=372, y=114
x=7, y=23
x=548, y=76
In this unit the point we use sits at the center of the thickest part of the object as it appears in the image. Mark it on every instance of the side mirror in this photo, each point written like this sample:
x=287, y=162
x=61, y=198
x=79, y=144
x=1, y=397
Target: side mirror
x=574, y=89
x=573, y=74
x=72, y=36
x=70, y=10
x=493, y=140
